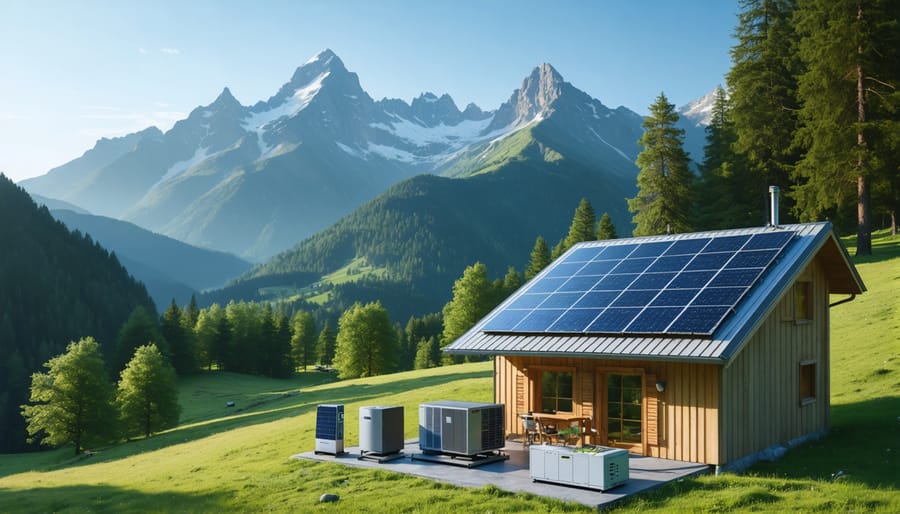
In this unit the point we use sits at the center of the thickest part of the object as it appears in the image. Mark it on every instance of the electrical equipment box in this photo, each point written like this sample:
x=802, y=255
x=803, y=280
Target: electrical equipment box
x=461, y=428
x=381, y=430
x=594, y=467
x=330, y=429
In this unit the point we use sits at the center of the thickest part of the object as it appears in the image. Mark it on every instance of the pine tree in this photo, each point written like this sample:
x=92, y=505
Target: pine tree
x=428, y=353
x=72, y=401
x=663, y=202
x=366, y=342
x=850, y=103
x=728, y=192
x=582, y=227
x=511, y=282
x=191, y=313
x=763, y=86
x=147, y=395
x=540, y=258
x=605, y=228
x=325, y=345
x=181, y=342
x=303, y=339
x=140, y=329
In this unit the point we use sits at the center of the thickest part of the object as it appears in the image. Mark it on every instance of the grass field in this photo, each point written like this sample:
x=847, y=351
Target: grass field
x=237, y=459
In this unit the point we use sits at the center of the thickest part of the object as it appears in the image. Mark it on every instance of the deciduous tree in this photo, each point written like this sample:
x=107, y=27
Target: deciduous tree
x=72, y=401
x=366, y=342
x=303, y=339
x=147, y=395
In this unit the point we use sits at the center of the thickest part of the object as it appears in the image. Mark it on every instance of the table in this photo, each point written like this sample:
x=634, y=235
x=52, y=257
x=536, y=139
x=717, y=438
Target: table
x=583, y=422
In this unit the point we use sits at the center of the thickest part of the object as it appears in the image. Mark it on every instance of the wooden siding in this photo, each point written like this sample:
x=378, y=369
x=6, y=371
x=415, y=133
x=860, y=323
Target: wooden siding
x=761, y=404
x=680, y=423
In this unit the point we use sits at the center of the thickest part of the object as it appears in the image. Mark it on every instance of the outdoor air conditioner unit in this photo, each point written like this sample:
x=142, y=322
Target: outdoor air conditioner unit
x=330, y=429
x=461, y=428
x=381, y=430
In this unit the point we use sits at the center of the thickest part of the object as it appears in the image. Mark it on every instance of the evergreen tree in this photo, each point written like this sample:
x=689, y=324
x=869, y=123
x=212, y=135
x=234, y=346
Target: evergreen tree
x=140, y=329
x=728, y=191
x=242, y=354
x=325, y=346
x=191, y=313
x=511, y=282
x=303, y=340
x=582, y=227
x=147, y=395
x=605, y=228
x=850, y=104
x=366, y=342
x=428, y=353
x=72, y=401
x=211, y=341
x=763, y=86
x=663, y=202
x=540, y=258
x=473, y=298
x=180, y=340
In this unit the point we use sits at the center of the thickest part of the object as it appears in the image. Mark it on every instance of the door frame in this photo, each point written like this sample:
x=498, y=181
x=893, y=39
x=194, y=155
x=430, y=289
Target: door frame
x=600, y=409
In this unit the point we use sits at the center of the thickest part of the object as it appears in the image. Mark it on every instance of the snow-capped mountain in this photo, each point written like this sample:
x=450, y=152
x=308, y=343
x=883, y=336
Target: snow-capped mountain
x=255, y=180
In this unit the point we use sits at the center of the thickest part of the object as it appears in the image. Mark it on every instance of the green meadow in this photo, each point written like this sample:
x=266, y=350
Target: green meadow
x=238, y=458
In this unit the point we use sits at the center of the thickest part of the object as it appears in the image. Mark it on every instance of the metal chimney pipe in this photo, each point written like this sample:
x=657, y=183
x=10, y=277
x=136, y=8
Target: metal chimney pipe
x=773, y=195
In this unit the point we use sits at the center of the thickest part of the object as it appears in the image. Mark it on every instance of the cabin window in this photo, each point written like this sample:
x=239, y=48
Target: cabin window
x=556, y=391
x=803, y=301
x=807, y=382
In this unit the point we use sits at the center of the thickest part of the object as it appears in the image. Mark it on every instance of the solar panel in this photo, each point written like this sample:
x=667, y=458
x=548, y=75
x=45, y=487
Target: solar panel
x=682, y=286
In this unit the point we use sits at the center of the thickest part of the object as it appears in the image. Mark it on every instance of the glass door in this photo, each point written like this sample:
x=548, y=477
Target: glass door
x=623, y=410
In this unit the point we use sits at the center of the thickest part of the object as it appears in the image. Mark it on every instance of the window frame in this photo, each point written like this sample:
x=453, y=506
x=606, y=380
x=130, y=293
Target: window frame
x=540, y=390
x=803, y=301
x=807, y=380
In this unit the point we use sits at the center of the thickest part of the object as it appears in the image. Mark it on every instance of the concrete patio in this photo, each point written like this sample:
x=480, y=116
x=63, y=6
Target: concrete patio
x=512, y=475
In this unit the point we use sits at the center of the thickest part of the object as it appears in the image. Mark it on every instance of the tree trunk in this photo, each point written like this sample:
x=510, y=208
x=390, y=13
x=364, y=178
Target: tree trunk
x=864, y=203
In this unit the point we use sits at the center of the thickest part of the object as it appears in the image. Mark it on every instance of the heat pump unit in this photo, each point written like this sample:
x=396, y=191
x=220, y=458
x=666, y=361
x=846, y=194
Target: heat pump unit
x=461, y=428
x=330, y=429
x=380, y=430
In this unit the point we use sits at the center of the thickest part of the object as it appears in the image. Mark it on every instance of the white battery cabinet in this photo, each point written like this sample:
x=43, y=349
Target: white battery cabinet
x=594, y=467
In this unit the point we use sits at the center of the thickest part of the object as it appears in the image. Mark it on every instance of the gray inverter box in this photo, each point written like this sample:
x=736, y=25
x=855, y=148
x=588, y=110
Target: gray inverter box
x=381, y=430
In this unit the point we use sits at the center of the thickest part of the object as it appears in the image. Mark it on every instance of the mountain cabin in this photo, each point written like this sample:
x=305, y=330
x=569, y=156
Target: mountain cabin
x=708, y=347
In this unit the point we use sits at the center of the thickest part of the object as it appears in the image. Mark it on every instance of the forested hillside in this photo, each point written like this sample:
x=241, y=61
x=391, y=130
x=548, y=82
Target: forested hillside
x=421, y=234
x=56, y=286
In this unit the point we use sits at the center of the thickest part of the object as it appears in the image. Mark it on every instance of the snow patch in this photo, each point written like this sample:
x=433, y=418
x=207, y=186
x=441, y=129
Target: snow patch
x=200, y=155
x=391, y=153
x=352, y=151
x=620, y=152
x=259, y=121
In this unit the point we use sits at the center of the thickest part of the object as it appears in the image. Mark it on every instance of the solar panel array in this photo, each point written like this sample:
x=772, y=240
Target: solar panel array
x=683, y=286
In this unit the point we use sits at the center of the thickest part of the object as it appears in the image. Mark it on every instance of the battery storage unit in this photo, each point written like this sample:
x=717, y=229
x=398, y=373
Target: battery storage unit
x=330, y=429
x=381, y=430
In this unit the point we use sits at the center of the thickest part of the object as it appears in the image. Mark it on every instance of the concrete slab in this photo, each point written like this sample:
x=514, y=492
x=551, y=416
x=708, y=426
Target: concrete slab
x=512, y=475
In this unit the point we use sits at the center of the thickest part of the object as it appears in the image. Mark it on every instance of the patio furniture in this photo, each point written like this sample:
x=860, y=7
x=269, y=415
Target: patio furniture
x=545, y=430
x=530, y=428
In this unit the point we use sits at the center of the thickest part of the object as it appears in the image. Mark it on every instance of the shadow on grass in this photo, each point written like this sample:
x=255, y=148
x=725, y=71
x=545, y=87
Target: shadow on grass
x=862, y=446
x=105, y=498
x=884, y=247
x=287, y=405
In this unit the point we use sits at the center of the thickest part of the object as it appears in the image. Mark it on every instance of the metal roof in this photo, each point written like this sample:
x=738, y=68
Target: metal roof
x=811, y=239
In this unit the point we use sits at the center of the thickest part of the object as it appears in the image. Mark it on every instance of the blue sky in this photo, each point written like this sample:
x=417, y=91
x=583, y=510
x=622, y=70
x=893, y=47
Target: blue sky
x=73, y=72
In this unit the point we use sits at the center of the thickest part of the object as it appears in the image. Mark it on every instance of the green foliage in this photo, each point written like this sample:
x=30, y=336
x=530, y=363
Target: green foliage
x=326, y=343
x=180, y=338
x=425, y=328
x=473, y=297
x=540, y=258
x=729, y=193
x=605, y=228
x=512, y=281
x=428, y=353
x=582, y=227
x=71, y=402
x=366, y=342
x=663, y=202
x=56, y=286
x=138, y=330
x=763, y=86
x=849, y=110
x=303, y=340
x=147, y=395
x=212, y=332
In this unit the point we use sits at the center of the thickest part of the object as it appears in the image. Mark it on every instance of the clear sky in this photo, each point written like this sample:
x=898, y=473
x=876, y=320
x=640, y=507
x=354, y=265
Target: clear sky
x=74, y=71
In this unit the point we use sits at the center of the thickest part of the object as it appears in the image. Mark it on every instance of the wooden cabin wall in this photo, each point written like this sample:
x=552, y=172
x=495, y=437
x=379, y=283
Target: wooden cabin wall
x=761, y=404
x=680, y=423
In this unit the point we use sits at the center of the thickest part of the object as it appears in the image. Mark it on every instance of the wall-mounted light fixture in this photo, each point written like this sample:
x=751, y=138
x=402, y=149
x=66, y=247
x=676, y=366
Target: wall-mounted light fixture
x=661, y=386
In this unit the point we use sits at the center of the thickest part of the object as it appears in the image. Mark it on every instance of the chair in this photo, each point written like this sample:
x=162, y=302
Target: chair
x=530, y=427
x=546, y=431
